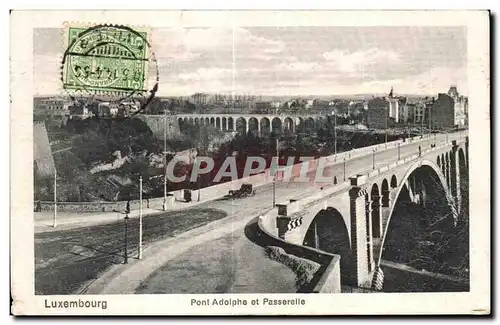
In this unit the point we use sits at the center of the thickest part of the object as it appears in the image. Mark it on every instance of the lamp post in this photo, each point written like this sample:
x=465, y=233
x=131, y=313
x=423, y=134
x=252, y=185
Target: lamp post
x=140, y=217
x=276, y=171
x=399, y=151
x=373, y=159
x=386, y=118
x=54, y=223
x=165, y=161
x=126, y=239
x=335, y=131
x=344, y=169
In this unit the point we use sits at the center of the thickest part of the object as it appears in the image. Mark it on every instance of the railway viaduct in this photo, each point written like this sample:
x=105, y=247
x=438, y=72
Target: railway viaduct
x=256, y=123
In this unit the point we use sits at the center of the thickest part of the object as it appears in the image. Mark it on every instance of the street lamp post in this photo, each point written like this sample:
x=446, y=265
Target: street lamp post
x=344, y=169
x=386, y=122
x=126, y=239
x=399, y=151
x=165, y=162
x=335, y=131
x=54, y=224
x=373, y=159
x=276, y=171
x=140, y=217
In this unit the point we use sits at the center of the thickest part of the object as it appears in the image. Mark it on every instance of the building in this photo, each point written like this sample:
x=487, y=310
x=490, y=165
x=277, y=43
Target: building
x=461, y=104
x=263, y=107
x=393, y=109
x=52, y=106
x=80, y=111
x=449, y=110
x=320, y=104
x=416, y=112
x=403, y=111
x=378, y=114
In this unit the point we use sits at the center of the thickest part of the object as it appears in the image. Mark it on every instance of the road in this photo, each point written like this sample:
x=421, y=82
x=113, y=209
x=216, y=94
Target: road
x=182, y=238
x=66, y=259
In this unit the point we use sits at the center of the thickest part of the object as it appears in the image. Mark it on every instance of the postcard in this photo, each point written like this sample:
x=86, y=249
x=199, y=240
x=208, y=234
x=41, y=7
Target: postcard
x=250, y=162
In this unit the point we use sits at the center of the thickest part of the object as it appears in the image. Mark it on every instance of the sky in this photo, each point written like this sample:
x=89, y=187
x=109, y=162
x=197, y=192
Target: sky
x=275, y=61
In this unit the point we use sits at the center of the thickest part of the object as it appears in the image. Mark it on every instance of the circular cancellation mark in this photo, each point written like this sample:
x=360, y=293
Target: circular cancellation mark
x=108, y=63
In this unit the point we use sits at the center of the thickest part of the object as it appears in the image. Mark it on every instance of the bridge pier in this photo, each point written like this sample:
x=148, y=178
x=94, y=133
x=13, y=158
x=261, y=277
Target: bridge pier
x=369, y=233
x=455, y=177
x=360, y=274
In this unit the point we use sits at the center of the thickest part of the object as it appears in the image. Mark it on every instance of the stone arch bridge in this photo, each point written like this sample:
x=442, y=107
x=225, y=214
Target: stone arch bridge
x=259, y=124
x=353, y=219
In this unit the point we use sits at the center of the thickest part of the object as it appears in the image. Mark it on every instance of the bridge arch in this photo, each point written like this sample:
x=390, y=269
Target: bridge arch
x=241, y=125
x=196, y=121
x=289, y=125
x=265, y=126
x=230, y=124
x=438, y=190
x=328, y=232
x=385, y=193
x=180, y=120
x=253, y=126
x=224, y=124
x=217, y=123
x=212, y=121
x=394, y=181
x=277, y=125
x=191, y=121
x=300, y=127
x=376, y=217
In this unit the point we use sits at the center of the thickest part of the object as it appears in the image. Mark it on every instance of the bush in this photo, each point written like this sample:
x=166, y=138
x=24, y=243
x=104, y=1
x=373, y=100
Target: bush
x=304, y=269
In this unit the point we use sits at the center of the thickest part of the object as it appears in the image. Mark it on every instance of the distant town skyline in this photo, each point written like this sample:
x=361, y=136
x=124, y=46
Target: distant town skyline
x=289, y=61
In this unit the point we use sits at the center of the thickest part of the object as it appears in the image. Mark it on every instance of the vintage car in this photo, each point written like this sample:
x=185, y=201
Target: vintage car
x=244, y=191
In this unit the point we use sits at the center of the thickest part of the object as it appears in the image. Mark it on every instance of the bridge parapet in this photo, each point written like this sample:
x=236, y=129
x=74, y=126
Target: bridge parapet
x=327, y=278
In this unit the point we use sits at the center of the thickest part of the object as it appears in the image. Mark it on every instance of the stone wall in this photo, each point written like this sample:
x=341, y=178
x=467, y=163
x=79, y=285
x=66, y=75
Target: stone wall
x=42, y=153
x=156, y=124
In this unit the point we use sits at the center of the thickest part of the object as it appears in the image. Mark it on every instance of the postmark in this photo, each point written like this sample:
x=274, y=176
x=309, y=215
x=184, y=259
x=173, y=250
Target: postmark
x=108, y=60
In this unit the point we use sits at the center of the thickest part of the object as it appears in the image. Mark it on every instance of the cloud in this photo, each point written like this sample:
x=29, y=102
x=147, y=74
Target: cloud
x=360, y=61
x=188, y=44
x=437, y=79
x=206, y=74
x=299, y=66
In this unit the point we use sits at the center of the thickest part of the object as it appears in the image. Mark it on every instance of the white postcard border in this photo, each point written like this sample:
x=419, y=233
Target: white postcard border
x=477, y=301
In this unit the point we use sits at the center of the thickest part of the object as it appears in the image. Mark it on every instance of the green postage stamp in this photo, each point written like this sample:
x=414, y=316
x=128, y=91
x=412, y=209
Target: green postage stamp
x=105, y=59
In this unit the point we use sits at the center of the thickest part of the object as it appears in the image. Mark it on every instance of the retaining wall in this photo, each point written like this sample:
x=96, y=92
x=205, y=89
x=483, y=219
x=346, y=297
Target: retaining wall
x=325, y=279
